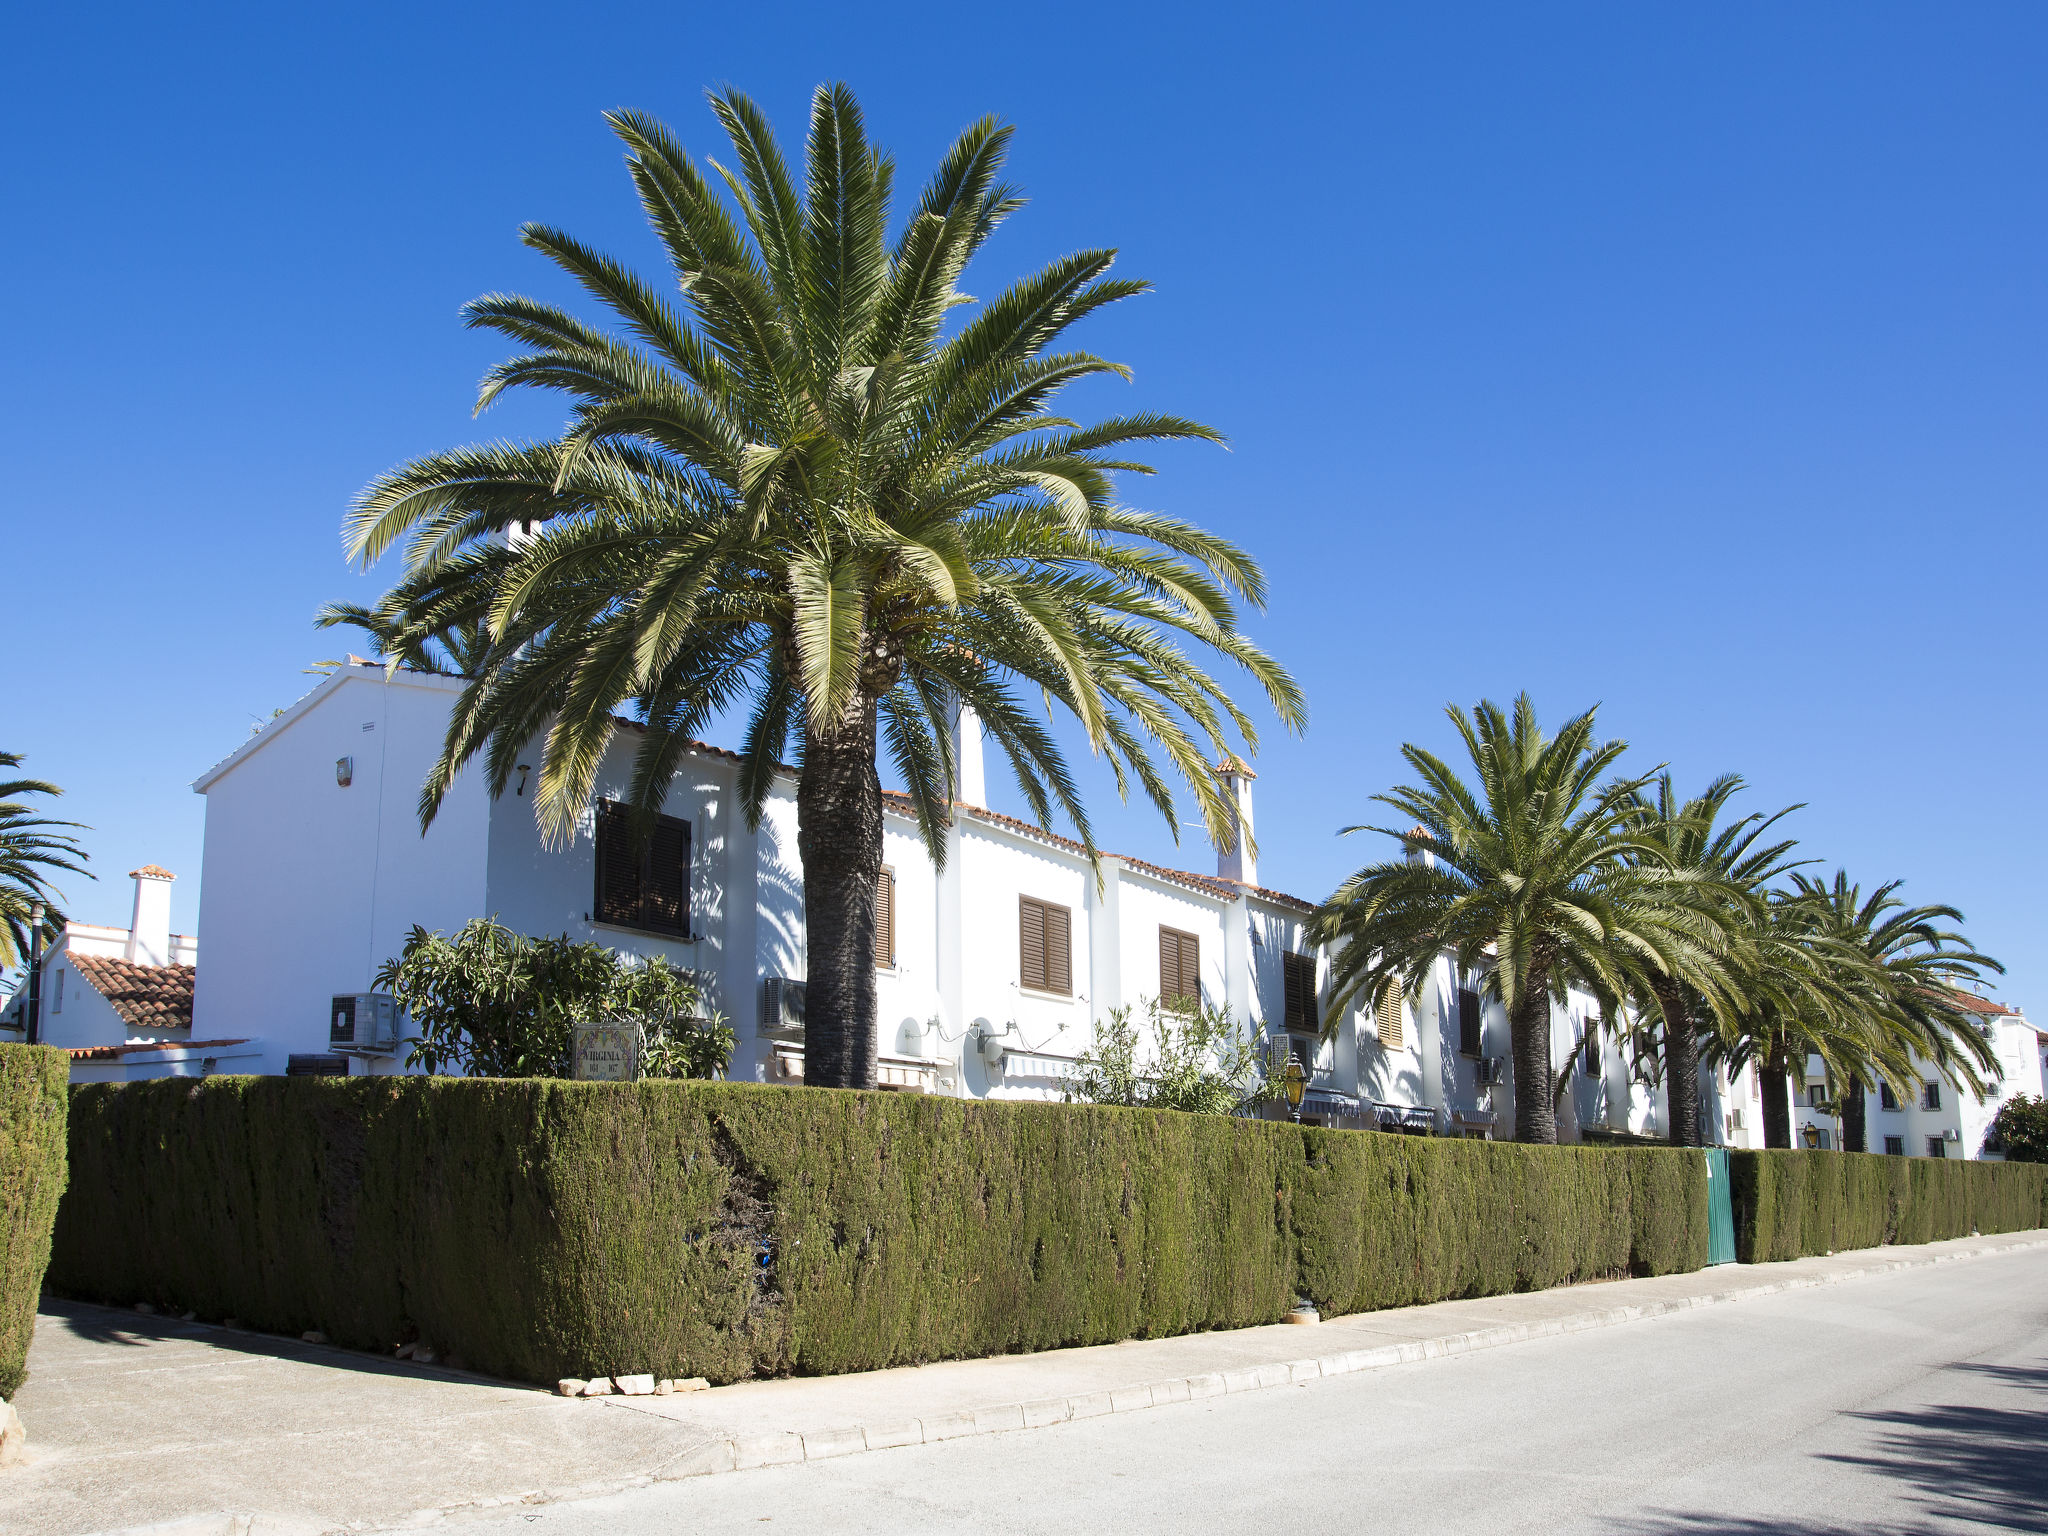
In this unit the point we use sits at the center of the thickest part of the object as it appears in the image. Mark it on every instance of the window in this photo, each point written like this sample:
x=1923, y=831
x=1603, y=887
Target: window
x=1895, y=1146
x=1930, y=1095
x=1045, y=941
x=1936, y=1147
x=1886, y=1099
x=1388, y=1016
x=1298, y=977
x=1591, y=1062
x=642, y=883
x=58, y=1005
x=1471, y=1028
x=1816, y=1094
x=1180, y=971
x=885, y=920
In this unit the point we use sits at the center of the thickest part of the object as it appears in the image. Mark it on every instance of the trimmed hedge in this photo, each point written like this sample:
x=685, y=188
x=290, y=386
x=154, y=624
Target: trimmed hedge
x=32, y=1141
x=540, y=1229
x=1792, y=1204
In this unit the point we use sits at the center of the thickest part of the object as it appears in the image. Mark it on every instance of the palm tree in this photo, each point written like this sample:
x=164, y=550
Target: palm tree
x=792, y=484
x=32, y=847
x=459, y=649
x=1535, y=872
x=1728, y=867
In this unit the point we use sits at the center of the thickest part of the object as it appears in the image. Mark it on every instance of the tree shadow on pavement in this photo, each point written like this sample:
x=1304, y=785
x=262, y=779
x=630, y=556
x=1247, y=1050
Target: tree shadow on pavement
x=1969, y=1466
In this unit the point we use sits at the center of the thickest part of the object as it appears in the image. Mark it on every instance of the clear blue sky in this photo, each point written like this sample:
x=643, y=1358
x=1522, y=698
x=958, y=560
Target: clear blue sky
x=1686, y=361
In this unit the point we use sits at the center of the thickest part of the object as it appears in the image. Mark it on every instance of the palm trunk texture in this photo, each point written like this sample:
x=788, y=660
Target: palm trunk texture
x=839, y=839
x=1681, y=1069
x=1855, y=1123
x=1529, y=1024
x=1774, y=1078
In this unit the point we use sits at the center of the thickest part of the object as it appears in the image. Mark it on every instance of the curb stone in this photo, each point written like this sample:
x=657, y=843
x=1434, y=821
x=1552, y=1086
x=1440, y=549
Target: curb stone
x=818, y=1445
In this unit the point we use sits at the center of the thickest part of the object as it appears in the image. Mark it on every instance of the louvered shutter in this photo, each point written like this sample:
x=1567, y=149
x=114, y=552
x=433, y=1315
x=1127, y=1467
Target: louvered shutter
x=617, y=898
x=1180, y=970
x=1191, y=969
x=885, y=919
x=1470, y=1037
x=1389, y=1016
x=1298, y=986
x=665, y=888
x=1059, y=950
x=1031, y=942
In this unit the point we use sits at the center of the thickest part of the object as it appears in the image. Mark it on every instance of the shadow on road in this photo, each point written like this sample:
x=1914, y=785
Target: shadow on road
x=1969, y=1464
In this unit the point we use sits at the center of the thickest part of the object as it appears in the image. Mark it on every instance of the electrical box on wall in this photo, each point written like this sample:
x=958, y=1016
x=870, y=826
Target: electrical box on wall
x=364, y=1023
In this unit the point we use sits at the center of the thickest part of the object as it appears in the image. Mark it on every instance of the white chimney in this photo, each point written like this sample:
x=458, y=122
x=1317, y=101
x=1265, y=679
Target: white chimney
x=970, y=784
x=1416, y=846
x=149, y=930
x=1239, y=860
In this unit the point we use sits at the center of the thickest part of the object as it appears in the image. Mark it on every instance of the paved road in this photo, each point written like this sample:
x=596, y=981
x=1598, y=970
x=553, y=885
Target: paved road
x=1915, y=1402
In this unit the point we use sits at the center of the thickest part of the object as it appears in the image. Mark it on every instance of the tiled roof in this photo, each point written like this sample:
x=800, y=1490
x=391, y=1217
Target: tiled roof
x=145, y=996
x=1972, y=1003
x=112, y=1052
x=153, y=872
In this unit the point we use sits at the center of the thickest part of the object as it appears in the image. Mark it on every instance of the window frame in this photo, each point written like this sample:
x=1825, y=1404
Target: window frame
x=1180, y=1002
x=1887, y=1100
x=885, y=880
x=1930, y=1096
x=1472, y=1033
x=1895, y=1146
x=614, y=819
x=1298, y=981
x=1937, y=1146
x=1045, y=987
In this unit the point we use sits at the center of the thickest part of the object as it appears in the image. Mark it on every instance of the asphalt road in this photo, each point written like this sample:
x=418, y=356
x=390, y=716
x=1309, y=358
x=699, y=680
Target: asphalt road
x=1915, y=1402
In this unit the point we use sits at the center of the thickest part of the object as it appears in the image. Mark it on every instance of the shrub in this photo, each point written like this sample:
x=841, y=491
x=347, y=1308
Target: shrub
x=1201, y=1061
x=2019, y=1131
x=1792, y=1204
x=32, y=1148
x=542, y=1229
x=493, y=1003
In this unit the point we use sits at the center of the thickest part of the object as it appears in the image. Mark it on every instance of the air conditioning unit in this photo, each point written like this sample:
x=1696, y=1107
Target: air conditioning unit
x=1488, y=1071
x=782, y=1009
x=1951, y=1134
x=364, y=1024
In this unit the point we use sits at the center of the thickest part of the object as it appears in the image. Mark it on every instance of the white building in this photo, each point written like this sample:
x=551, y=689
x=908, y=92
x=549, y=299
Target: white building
x=992, y=974
x=1937, y=1118
x=120, y=999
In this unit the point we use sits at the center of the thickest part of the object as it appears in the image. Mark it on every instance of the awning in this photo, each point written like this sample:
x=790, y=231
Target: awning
x=907, y=1074
x=1328, y=1101
x=1405, y=1117
x=1038, y=1064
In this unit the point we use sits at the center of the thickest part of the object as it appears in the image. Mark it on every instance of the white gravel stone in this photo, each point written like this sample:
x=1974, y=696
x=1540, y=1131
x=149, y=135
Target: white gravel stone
x=571, y=1386
x=635, y=1386
x=598, y=1386
x=693, y=1384
x=664, y=1387
x=12, y=1436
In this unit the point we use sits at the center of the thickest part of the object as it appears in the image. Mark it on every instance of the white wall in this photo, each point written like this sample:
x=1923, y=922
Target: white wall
x=309, y=886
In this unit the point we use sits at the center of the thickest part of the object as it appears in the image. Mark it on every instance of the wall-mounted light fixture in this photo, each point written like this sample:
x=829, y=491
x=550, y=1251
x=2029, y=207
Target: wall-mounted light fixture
x=524, y=770
x=344, y=771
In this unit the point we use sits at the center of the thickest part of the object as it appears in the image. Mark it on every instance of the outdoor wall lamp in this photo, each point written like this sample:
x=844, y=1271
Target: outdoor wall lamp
x=1295, y=1083
x=1811, y=1136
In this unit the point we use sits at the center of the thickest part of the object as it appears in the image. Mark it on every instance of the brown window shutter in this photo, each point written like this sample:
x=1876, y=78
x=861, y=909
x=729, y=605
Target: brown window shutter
x=665, y=887
x=1059, y=950
x=1298, y=973
x=885, y=919
x=1031, y=942
x=1389, y=1019
x=1180, y=970
x=1470, y=1036
x=617, y=897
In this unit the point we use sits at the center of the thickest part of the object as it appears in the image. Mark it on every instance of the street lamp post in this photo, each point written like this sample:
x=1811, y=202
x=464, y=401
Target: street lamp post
x=35, y=973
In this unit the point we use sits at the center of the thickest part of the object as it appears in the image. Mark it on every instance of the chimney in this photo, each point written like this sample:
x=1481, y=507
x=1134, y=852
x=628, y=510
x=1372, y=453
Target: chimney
x=149, y=930
x=1240, y=860
x=1416, y=845
x=970, y=782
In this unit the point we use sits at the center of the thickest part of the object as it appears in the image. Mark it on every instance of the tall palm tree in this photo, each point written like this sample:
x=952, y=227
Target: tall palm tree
x=792, y=483
x=1535, y=872
x=1728, y=868
x=32, y=848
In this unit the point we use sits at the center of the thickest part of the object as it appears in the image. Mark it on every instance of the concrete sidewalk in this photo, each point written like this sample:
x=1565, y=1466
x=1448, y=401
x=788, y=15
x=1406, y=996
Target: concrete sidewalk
x=138, y=1421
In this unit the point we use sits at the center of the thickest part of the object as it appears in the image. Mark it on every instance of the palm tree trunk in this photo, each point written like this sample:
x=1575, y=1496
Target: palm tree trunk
x=1773, y=1076
x=839, y=839
x=1855, y=1124
x=1529, y=1026
x=1681, y=1068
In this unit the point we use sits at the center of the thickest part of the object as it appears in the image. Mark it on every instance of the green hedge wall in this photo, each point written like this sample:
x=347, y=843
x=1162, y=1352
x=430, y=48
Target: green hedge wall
x=541, y=1229
x=1791, y=1204
x=32, y=1103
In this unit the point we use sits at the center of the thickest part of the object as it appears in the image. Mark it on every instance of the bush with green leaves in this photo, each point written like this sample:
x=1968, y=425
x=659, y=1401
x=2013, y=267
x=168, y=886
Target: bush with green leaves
x=489, y=1002
x=2019, y=1131
x=1200, y=1061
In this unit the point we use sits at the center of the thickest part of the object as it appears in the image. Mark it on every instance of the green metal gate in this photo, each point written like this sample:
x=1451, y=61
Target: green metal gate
x=1720, y=1208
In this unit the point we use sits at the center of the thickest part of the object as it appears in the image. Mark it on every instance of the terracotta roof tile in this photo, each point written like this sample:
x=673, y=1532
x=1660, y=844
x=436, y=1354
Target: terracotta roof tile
x=1971, y=1002
x=153, y=872
x=145, y=996
x=110, y=1052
